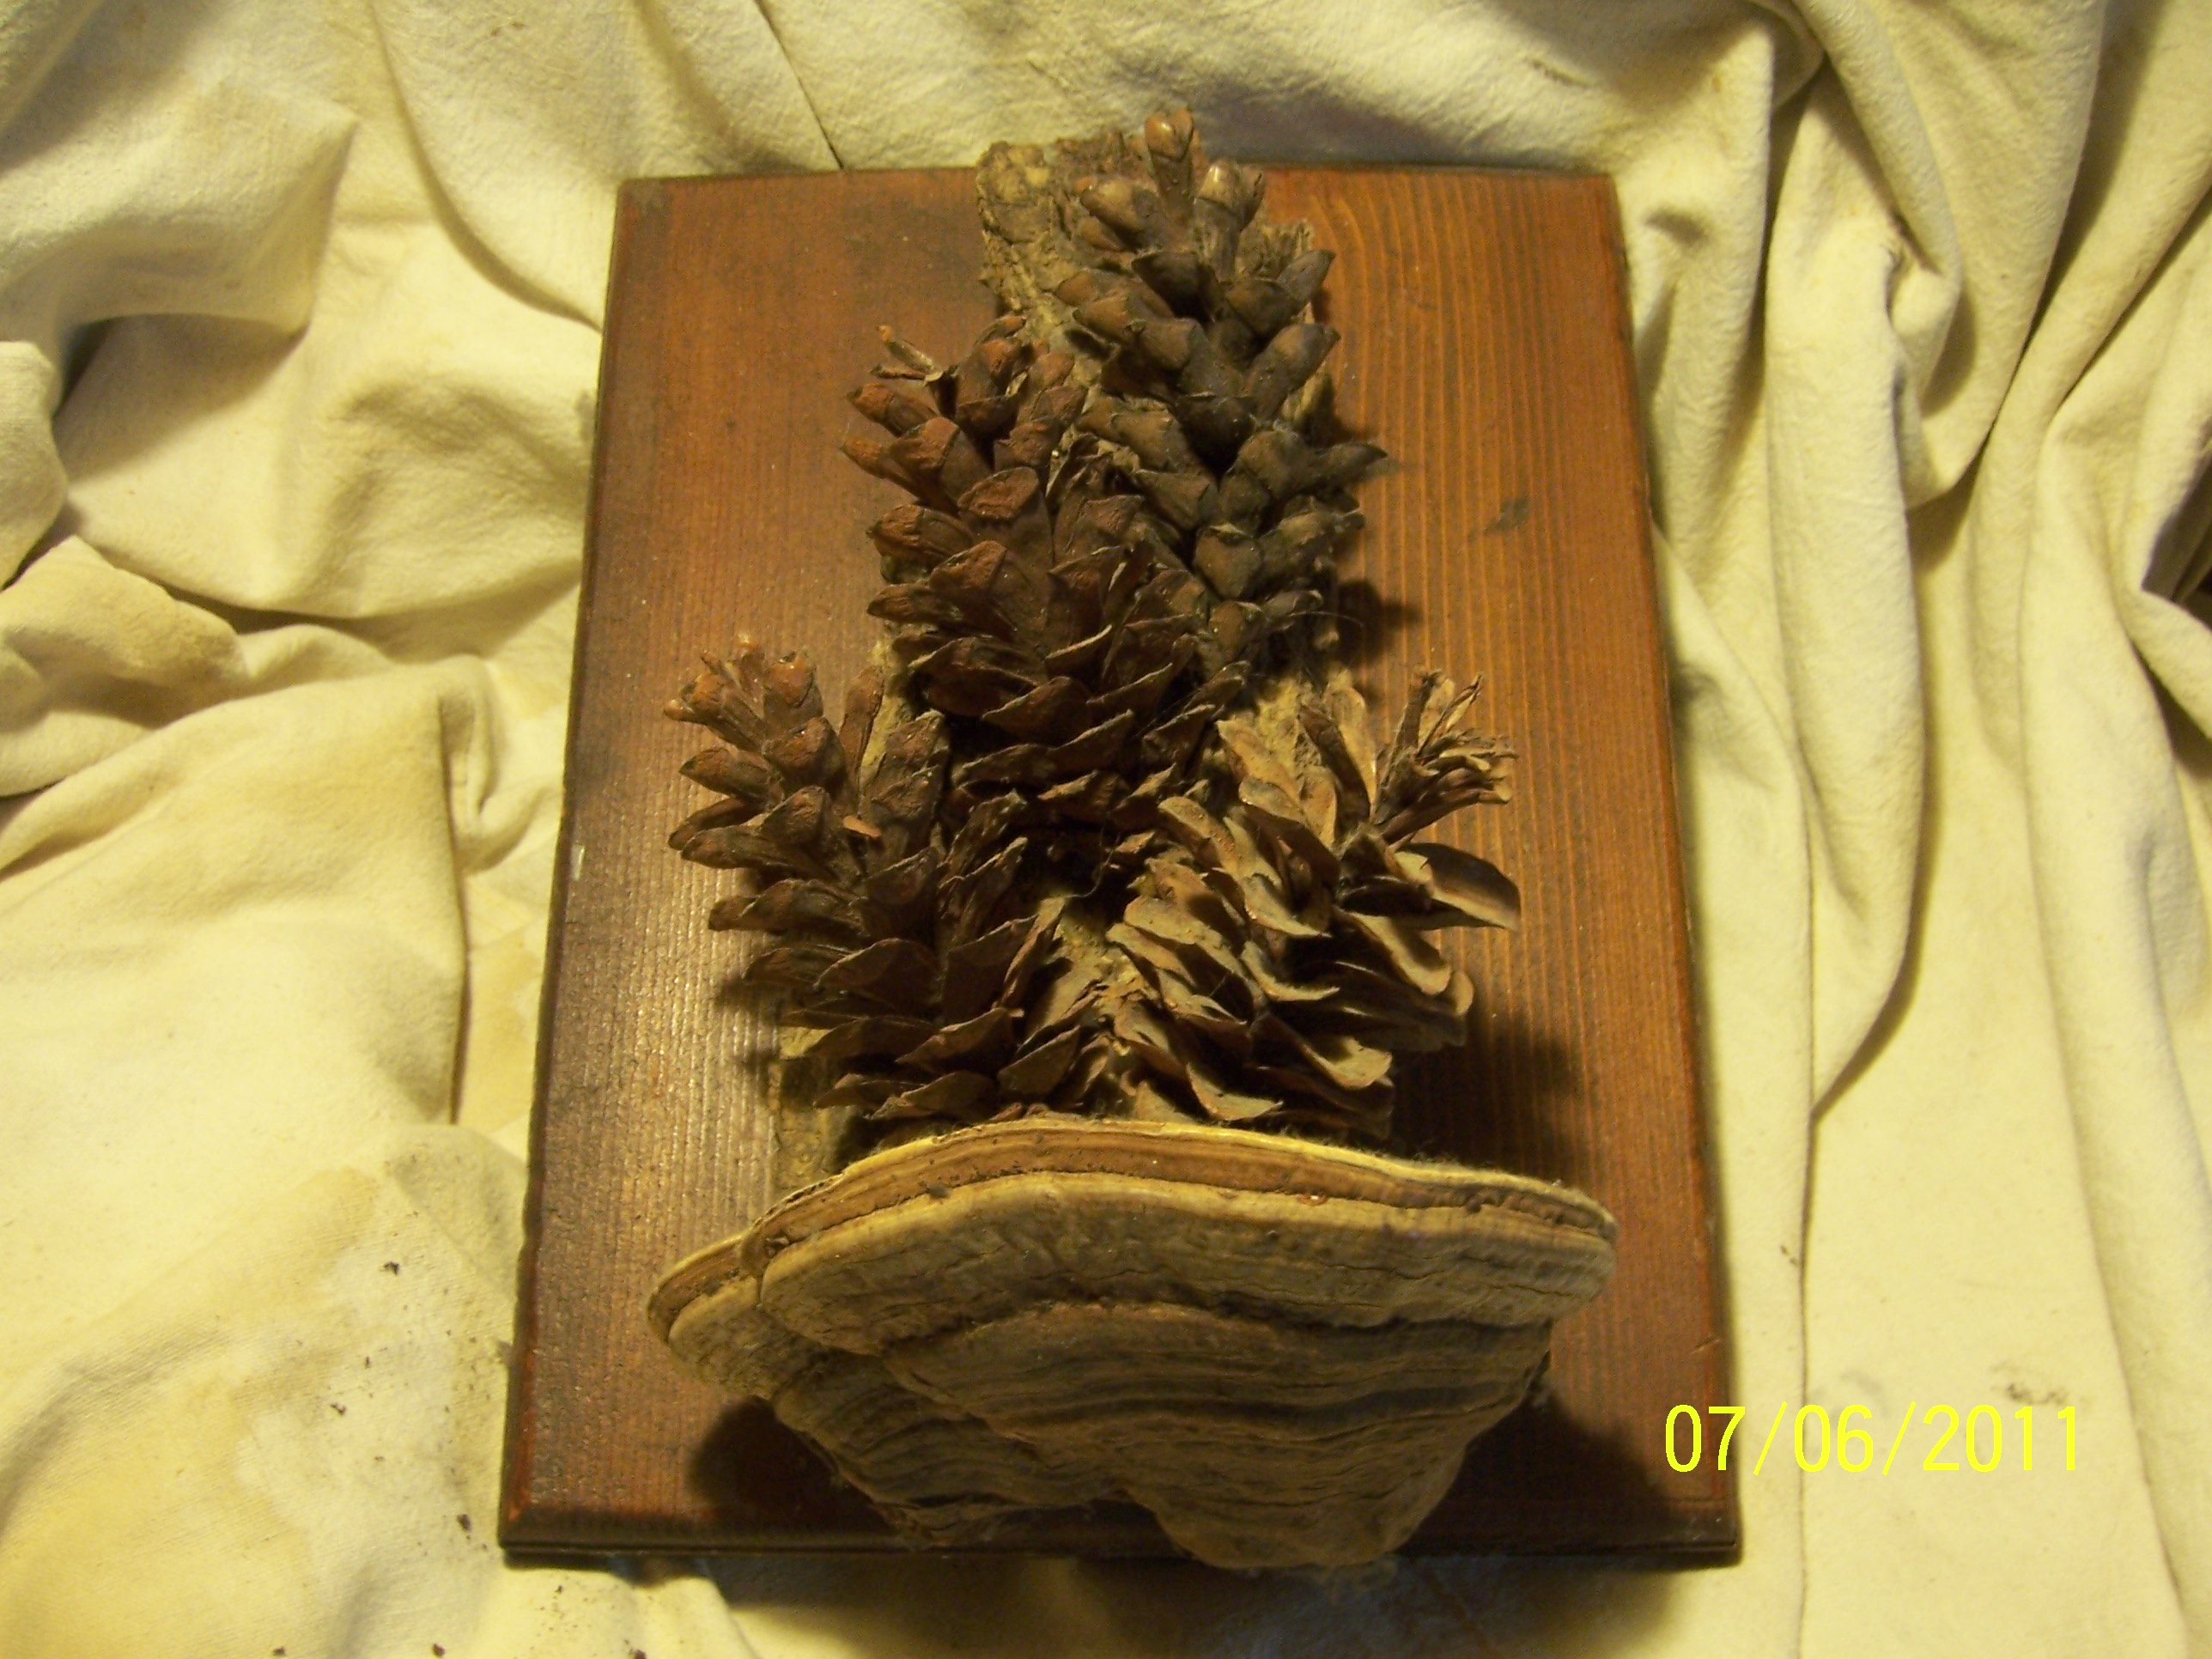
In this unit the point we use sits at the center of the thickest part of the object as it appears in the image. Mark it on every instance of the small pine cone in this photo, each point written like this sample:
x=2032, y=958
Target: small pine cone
x=1280, y=947
x=915, y=956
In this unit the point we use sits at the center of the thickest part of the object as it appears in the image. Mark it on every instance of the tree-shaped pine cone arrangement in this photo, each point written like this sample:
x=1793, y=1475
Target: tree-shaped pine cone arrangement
x=1104, y=916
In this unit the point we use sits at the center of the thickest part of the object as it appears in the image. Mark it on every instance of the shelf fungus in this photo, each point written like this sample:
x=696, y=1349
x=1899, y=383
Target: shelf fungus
x=1101, y=916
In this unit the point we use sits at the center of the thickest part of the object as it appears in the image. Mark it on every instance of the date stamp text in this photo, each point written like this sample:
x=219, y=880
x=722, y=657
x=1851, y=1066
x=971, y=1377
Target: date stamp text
x=1939, y=1440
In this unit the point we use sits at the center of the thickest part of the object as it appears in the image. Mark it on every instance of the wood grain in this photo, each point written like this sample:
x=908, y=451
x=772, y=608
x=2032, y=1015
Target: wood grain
x=1486, y=348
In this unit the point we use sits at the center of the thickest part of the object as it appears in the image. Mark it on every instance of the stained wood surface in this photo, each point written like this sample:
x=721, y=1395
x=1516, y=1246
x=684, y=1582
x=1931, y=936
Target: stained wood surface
x=1484, y=346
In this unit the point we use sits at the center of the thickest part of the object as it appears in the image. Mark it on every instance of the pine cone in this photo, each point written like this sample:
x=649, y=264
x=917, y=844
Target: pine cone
x=1156, y=266
x=924, y=965
x=1116, y=560
x=1281, y=947
x=1046, y=615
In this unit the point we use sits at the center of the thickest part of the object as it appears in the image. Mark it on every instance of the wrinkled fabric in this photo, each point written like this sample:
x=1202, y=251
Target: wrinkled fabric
x=299, y=333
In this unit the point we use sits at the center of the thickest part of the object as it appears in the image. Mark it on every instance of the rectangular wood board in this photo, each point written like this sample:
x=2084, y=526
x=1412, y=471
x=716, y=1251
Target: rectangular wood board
x=1486, y=347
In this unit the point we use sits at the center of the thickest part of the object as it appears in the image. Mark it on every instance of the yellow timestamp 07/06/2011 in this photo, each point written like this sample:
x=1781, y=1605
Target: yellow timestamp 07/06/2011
x=1975, y=1440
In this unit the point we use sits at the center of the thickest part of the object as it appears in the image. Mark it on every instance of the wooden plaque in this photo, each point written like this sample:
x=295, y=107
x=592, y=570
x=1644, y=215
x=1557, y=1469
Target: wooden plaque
x=1484, y=346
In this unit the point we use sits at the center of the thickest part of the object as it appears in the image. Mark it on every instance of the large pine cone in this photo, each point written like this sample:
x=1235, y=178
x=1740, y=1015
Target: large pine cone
x=1195, y=313
x=1045, y=615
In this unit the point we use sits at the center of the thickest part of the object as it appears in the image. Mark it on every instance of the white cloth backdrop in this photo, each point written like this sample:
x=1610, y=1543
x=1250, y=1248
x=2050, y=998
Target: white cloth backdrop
x=298, y=339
